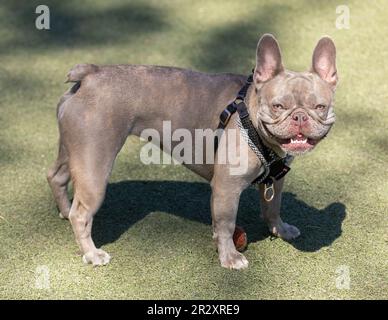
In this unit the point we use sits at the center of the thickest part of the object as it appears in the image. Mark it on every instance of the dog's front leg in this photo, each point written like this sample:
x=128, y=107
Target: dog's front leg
x=224, y=205
x=270, y=211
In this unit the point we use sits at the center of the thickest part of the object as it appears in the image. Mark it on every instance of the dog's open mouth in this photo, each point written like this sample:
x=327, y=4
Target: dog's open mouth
x=298, y=143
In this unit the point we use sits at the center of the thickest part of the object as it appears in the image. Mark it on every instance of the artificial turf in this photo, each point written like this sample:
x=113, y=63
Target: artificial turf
x=155, y=221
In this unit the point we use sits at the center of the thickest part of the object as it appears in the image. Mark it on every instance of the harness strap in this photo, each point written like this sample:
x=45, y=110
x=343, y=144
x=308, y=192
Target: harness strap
x=227, y=113
x=275, y=166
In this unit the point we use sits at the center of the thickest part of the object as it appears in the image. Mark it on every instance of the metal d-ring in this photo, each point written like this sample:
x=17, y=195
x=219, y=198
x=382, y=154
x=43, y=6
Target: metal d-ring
x=269, y=191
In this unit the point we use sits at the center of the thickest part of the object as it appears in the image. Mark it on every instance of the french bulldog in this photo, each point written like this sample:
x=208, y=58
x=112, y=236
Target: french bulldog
x=291, y=111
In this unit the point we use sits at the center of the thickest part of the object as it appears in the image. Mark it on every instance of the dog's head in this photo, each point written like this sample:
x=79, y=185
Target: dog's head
x=295, y=110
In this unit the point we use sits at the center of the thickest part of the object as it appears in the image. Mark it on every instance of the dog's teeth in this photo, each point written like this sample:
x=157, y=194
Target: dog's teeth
x=298, y=141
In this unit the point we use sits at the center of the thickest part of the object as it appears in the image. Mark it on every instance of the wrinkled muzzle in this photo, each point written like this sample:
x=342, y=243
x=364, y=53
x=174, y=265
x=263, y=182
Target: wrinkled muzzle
x=266, y=119
x=293, y=137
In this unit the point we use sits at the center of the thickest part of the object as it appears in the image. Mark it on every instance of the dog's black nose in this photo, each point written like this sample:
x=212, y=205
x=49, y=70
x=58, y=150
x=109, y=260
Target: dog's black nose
x=299, y=117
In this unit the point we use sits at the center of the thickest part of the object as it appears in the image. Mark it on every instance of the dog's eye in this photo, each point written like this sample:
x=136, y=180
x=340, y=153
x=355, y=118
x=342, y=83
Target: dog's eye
x=320, y=107
x=278, y=106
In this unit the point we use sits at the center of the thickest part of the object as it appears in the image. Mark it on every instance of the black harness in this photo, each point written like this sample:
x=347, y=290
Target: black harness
x=275, y=166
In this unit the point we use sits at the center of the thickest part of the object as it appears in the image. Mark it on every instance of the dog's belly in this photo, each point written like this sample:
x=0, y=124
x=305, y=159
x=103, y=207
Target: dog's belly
x=197, y=157
x=205, y=171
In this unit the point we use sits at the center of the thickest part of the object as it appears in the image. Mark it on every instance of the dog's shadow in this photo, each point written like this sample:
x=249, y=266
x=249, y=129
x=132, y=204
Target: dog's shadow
x=130, y=201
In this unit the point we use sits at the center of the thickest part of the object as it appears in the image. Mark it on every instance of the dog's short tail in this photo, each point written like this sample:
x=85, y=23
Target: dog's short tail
x=80, y=71
x=76, y=74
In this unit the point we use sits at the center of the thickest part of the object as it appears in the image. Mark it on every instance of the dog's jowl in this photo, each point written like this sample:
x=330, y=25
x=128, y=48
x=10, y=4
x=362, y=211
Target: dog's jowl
x=290, y=111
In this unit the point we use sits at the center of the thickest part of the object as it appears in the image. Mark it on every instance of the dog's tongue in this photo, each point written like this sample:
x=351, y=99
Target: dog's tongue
x=300, y=136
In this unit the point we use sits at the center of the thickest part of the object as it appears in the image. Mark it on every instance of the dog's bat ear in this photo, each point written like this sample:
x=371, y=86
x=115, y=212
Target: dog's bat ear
x=324, y=61
x=268, y=59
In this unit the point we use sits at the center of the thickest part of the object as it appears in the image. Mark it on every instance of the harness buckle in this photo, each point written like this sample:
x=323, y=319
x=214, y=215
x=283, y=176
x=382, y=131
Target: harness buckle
x=279, y=169
x=225, y=117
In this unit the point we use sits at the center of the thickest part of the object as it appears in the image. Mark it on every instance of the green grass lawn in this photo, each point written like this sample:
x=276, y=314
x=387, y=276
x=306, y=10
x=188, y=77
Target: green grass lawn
x=155, y=221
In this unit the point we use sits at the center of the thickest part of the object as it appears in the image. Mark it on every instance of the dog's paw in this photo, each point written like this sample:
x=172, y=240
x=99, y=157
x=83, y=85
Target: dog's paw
x=233, y=260
x=63, y=216
x=285, y=231
x=97, y=257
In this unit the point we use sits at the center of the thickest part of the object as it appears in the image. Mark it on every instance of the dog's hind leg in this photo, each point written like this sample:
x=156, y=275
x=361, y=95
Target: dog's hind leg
x=90, y=181
x=91, y=162
x=58, y=178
